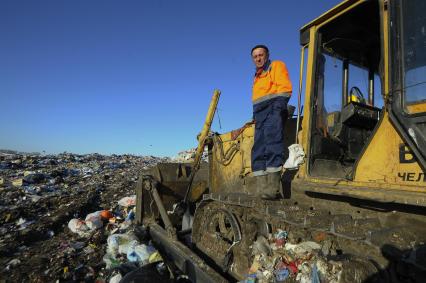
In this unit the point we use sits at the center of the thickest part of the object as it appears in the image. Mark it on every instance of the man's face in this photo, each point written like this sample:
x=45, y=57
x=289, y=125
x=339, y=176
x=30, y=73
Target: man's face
x=259, y=56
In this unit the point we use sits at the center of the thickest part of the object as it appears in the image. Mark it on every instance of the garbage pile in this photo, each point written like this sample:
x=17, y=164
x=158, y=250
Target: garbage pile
x=124, y=252
x=187, y=156
x=57, y=213
x=280, y=258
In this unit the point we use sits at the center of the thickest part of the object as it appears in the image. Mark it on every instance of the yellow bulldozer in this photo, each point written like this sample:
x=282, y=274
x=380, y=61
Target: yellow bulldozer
x=361, y=121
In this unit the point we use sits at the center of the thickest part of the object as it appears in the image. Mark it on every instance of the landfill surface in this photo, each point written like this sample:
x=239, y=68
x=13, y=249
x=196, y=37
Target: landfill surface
x=70, y=218
x=58, y=213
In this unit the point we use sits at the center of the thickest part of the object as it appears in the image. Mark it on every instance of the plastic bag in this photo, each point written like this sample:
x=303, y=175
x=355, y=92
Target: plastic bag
x=140, y=253
x=120, y=243
x=302, y=248
x=94, y=220
x=155, y=257
x=78, y=226
x=106, y=214
x=116, y=279
x=144, y=252
x=314, y=275
x=281, y=275
x=130, y=216
x=295, y=158
x=127, y=201
x=111, y=261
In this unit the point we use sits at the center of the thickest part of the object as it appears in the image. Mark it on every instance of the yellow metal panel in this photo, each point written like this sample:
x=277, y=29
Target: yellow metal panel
x=246, y=143
x=232, y=159
x=197, y=191
x=303, y=134
x=388, y=161
x=416, y=108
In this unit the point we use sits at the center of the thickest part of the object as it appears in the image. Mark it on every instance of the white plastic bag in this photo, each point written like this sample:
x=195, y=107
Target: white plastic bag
x=302, y=248
x=140, y=253
x=127, y=201
x=116, y=279
x=94, y=220
x=295, y=158
x=120, y=243
x=78, y=226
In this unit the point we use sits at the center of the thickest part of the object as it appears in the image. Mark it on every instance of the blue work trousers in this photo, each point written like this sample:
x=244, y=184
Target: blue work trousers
x=268, y=149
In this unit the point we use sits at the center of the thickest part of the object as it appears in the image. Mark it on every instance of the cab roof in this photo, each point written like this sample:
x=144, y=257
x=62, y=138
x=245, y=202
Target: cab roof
x=329, y=14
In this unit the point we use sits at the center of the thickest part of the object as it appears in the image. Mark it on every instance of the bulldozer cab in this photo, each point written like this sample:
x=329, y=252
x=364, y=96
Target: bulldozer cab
x=346, y=86
x=365, y=87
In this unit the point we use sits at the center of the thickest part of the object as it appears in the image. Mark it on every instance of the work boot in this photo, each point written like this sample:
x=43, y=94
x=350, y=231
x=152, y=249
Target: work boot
x=272, y=188
x=254, y=184
x=250, y=187
x=261, y=184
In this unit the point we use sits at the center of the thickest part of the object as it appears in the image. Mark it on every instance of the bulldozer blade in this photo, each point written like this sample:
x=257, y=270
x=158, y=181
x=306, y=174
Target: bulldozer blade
x=172, y=181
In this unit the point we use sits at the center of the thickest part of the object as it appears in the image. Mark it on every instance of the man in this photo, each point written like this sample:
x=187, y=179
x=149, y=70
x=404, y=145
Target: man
x=272, y=89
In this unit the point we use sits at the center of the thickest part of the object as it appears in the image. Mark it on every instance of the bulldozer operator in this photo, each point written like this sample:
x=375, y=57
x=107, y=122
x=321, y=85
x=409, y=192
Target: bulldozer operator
x=272, y=89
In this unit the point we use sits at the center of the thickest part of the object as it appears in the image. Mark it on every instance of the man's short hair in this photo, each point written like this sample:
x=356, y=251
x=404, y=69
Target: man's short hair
x=260, y=46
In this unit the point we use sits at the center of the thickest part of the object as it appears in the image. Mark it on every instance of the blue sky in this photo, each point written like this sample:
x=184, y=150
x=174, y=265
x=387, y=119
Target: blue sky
x=135, y=76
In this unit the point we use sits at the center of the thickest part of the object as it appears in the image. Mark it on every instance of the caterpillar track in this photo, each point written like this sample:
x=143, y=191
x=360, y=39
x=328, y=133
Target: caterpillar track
x=388, y=242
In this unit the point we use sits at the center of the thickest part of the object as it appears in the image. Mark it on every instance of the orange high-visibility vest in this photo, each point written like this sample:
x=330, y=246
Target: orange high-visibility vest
x=272, y=82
